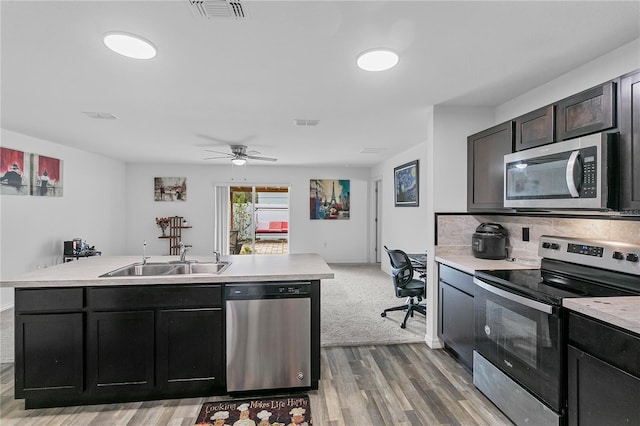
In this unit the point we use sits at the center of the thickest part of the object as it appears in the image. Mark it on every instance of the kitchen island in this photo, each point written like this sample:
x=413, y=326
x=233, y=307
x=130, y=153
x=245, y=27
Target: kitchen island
x=86, y=339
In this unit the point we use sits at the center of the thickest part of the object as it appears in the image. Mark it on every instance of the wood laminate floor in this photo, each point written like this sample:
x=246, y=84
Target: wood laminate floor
x=398, y=385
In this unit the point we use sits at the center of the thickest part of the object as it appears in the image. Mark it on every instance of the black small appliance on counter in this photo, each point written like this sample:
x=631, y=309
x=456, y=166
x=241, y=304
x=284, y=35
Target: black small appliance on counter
x=490, y=241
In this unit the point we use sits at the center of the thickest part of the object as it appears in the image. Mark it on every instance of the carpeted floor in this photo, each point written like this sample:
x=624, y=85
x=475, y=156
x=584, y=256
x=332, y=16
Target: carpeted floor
x=351, y=304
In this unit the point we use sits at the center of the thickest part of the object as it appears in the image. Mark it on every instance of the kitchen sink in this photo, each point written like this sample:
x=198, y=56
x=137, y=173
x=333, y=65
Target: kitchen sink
x=169, y=268
x=208, y=268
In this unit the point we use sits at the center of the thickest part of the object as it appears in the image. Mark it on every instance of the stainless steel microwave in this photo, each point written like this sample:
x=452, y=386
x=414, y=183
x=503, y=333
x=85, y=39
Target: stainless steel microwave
x=578, y=173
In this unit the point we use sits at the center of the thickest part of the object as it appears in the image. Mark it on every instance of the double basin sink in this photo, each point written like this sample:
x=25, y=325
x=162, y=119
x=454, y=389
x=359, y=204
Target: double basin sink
x=167, y=268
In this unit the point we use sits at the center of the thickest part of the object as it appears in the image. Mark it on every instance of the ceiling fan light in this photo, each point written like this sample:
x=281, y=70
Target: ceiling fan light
x=239, y=161
x=129, y=45
x=377, y=59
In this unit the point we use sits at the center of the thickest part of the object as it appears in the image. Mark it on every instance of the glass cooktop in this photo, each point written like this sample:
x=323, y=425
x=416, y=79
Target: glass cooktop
x=551, y=285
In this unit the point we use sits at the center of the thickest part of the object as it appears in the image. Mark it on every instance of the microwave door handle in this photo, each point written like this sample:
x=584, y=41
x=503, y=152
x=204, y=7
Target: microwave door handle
x=574, y=161
x=534, y=304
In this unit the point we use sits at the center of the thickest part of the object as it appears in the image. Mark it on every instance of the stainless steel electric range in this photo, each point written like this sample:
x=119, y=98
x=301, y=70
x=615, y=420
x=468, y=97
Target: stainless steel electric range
x=520, y=336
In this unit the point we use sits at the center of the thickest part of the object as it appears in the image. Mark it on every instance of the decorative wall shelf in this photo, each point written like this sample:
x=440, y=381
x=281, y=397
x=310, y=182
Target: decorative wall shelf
x=175, y=234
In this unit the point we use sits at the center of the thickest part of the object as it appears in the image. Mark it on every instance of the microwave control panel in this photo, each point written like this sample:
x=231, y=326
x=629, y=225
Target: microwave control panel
x=589, y=188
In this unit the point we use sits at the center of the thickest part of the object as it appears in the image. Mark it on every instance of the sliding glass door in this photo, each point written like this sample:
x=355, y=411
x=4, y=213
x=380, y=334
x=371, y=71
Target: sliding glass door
x=259, y=220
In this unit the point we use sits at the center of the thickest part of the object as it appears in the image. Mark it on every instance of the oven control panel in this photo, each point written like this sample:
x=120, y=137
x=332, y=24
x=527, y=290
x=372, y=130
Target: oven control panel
x=611, y=255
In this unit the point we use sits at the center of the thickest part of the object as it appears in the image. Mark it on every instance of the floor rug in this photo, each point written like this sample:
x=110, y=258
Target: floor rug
x=277, y=411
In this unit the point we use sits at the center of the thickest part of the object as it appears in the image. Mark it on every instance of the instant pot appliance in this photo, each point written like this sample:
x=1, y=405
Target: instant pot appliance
x=490, y=241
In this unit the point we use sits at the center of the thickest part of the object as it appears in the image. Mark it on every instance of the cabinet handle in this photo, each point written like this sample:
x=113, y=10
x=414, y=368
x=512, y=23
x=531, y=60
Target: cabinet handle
x=538, y=306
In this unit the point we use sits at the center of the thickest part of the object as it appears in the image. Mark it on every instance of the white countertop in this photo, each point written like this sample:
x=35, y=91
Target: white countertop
x=471, y=264
x=87, y=271
x=623, y=312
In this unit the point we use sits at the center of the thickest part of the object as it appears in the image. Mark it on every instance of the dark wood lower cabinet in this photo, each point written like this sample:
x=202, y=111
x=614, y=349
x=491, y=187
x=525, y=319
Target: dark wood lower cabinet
x=599, y=393
x=456, y=313
x=190, y=353
x=121, y=351
x=49, y=355
x=122, y=343
x=603, y=372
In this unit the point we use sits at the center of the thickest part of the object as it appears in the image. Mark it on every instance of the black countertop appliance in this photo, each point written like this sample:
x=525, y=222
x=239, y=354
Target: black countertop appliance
x=490, y=241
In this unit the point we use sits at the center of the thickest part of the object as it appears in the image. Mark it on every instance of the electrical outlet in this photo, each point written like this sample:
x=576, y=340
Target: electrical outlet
x=525, y=234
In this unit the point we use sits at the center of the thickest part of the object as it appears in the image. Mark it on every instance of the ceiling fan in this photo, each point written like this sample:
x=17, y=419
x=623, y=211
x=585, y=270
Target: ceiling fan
x=239, y=155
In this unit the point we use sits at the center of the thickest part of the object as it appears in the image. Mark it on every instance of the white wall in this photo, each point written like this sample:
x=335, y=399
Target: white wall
x=336, y=240
x=402, y=227
x=92, y=208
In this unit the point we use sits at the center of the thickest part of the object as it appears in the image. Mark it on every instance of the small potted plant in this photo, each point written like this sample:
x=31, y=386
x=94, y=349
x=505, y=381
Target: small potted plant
x=162, y=223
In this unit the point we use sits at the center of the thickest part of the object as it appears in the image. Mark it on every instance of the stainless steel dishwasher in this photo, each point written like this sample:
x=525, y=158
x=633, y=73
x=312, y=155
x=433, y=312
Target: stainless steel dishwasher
x=268, y=336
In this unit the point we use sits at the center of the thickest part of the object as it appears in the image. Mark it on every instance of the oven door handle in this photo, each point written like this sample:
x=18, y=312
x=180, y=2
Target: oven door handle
x=534, y=304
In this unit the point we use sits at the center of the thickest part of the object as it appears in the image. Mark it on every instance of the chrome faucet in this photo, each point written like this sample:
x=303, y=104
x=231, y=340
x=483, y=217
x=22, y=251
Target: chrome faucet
x=183, y=251
x=144, y=253
x=216, y=256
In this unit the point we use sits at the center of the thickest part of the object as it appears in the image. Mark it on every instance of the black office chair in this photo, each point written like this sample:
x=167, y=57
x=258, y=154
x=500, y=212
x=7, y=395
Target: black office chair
x=405, y=285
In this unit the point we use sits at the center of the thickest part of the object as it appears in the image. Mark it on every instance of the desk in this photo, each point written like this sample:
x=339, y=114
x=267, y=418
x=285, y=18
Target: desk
x=418, y=260
x=70, y=257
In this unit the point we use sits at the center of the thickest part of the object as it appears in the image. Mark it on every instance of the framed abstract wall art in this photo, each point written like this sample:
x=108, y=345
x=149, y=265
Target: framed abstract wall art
x=15, y=168
x=170, y=189
x=329, y=198
x=405, y=179
x=46, y=176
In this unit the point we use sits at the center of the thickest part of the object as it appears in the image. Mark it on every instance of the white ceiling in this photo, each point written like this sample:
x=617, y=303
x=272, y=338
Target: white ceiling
x=243, y=81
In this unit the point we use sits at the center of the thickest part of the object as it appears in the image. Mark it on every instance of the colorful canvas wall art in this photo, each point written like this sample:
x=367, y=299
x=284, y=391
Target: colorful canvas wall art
x=406, y=182
x=170, y=189
x=329, y=198
x=14, y=172
x=46, y=176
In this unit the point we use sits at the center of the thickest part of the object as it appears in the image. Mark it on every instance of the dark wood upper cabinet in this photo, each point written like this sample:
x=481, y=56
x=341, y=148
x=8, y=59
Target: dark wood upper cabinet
x=485, y=166
x=534, y=128
x=586, y=112
x=630, y=142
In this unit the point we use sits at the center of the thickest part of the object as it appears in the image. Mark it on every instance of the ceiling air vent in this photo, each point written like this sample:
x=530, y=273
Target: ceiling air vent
x=305, y=123
x=209, y=9
x=101, y=115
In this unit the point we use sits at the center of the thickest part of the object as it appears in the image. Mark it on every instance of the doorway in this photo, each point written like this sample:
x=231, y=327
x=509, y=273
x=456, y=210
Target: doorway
x=259, y=220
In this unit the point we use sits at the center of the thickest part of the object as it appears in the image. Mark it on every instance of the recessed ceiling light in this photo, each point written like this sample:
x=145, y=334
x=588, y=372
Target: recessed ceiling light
x=130, y=45
x=377, y=59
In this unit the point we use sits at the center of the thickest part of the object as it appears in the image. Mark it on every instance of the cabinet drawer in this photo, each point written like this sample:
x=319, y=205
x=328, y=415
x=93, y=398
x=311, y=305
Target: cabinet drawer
x=135, y=297
x=458, y=279
x=613, y=345
x=49, y=299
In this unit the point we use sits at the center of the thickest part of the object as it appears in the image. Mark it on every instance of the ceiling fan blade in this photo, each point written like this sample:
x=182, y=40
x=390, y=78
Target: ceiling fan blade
x=216, y=158
x=253, y=157
x=219, y=152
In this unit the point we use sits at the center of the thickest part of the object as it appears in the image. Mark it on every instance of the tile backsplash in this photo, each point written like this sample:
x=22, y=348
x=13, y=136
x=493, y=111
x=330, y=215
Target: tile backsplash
x=455, y=231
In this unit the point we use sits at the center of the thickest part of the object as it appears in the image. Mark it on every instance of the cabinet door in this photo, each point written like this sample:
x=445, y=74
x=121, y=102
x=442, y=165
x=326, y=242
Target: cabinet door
x=49, y=356
x=630, y=142
x=485, y=166
x=121, y=351
x=535, y=128
x=599, y=393
x=587, y=112
x=190, y=349
x=456, y=320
